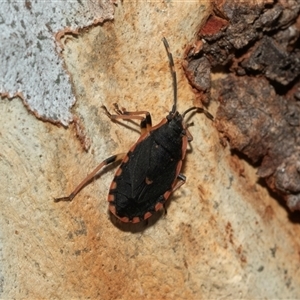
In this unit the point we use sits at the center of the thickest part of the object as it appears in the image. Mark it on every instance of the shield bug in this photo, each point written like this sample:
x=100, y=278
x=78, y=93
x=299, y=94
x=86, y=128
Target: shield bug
x=150, y=171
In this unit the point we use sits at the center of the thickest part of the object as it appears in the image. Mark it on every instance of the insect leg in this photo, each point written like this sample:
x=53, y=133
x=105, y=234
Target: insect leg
x=146, y=122
x=165, y=209
x=180, y=181
x=89, y=177
x=189, y=135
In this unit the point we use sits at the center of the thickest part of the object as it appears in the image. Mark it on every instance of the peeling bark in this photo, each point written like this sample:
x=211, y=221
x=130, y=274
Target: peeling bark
x=259, y=101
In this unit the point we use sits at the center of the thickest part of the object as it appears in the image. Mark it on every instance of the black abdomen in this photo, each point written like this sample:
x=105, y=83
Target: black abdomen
x=149, y=172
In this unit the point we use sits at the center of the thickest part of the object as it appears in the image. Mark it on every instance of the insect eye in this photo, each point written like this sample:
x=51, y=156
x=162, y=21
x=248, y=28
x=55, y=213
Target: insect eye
x=169, y=116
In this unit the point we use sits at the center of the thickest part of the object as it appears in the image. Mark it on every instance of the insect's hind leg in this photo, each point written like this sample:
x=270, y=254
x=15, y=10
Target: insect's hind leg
x=145, y=124
x=89, y=177
x=180, y=180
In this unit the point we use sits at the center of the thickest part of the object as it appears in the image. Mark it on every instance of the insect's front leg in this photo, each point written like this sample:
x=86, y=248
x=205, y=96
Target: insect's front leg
x=122, y=113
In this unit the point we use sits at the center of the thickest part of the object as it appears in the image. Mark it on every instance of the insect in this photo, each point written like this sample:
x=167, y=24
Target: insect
x=150, y=171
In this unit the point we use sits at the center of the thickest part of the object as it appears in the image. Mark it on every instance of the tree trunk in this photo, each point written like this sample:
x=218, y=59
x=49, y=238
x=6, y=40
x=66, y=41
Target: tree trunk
x=224, y=234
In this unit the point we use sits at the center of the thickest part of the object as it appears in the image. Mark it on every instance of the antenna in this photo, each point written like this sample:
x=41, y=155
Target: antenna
x=172, y=68
x=200, y=110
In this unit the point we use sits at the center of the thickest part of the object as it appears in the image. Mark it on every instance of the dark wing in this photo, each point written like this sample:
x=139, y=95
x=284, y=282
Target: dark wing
x=146, y=176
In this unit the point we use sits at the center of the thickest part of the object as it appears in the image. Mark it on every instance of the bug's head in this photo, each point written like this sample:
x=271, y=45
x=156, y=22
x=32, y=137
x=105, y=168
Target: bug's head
x=177, y=118
x=174, y=116
x=175, y=123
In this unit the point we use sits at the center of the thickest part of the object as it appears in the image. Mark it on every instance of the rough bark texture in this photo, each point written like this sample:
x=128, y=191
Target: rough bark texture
x=259, y=102
x=224, y=236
